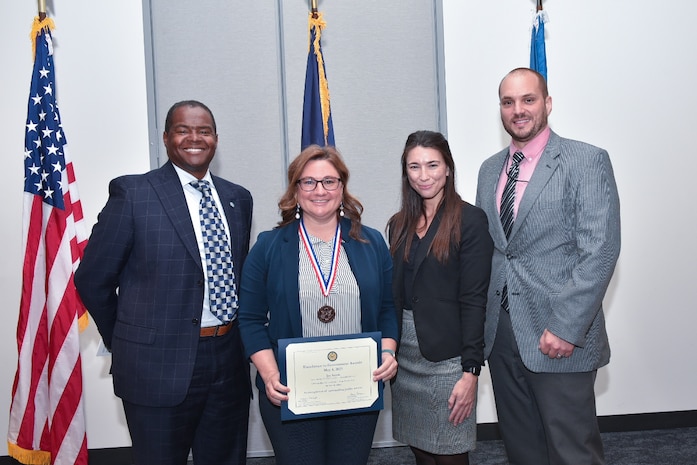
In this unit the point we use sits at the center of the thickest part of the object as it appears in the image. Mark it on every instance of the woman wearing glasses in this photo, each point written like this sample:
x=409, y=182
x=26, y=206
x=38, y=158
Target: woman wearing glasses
x=442, y=260
x=319, y=273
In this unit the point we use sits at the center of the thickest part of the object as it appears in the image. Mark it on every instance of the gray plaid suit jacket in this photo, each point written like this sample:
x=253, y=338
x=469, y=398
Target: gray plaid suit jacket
x=560, y=256
x=142, y=281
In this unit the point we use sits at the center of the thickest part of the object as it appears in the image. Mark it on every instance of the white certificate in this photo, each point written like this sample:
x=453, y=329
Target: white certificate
x=330, y=376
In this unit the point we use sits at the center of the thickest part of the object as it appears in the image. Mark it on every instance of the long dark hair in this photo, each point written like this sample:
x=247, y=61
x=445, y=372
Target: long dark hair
x=402, y=225
x=352, y=206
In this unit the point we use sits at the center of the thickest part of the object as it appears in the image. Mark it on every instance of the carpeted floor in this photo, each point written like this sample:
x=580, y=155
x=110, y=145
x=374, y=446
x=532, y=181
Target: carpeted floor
x=676, y=446
x=659, y=447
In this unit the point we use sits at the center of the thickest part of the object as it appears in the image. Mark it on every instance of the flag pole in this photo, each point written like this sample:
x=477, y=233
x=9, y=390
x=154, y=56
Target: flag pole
x=538, y=54
x=42, y=9
x=317, y=126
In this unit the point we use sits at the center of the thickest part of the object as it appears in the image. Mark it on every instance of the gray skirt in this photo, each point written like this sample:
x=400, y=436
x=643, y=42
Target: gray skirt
x=420, y=400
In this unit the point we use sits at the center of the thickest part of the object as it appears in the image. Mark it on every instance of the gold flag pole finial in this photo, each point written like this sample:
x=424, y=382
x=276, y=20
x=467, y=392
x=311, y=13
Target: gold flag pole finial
x=42, y=9
x=314, y=8
x=42, y=21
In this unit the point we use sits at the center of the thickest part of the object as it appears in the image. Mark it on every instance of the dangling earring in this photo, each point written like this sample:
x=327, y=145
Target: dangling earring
x=297, y=211
x=341, y=210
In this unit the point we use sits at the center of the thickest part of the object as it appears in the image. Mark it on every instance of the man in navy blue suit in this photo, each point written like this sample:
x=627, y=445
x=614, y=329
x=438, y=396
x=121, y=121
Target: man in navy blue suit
x=178, y=367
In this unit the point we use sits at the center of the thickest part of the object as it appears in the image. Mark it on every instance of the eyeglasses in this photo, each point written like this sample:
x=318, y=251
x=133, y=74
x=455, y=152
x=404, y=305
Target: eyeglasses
x=310, y=184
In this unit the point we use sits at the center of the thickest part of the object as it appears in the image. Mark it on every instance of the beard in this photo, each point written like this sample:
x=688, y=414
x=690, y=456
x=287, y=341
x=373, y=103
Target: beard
x=527, y=133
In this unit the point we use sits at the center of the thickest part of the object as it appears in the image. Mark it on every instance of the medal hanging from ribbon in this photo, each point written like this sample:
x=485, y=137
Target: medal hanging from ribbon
x=326, y=313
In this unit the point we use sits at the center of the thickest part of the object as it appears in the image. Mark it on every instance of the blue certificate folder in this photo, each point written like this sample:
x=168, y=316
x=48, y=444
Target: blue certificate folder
x=335, y=359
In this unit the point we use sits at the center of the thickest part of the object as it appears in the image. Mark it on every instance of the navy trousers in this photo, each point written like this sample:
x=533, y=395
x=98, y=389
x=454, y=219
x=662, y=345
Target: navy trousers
x=335, y=440
x=211, y=422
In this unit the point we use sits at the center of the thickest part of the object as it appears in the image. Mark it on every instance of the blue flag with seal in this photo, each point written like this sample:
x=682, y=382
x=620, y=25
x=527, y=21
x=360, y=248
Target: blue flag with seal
x=317, y=127
x=538, y=54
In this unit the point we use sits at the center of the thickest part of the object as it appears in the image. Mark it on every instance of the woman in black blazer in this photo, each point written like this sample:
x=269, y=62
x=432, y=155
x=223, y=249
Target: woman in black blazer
x=441, y=250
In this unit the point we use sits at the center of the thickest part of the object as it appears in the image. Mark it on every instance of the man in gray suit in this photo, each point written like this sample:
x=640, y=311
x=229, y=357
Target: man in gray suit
x=556, y=245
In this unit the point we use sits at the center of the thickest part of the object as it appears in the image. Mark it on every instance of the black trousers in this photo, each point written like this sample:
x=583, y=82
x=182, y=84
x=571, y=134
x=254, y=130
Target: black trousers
x=544, y=418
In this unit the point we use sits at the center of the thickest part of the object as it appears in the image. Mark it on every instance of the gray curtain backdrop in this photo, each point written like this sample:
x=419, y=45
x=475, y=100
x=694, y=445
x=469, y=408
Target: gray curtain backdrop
x=246, y=60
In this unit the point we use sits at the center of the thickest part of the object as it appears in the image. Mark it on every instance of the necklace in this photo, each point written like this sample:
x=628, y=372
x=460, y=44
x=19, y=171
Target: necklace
x=326, y=313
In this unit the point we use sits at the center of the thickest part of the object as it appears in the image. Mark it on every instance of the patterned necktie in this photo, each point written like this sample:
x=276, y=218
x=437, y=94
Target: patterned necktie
x=506, y=213
x=221, y=277
x=508, y=196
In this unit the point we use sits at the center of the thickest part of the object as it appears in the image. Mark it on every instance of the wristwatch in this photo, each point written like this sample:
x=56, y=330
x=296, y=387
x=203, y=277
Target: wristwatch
x=474, y=370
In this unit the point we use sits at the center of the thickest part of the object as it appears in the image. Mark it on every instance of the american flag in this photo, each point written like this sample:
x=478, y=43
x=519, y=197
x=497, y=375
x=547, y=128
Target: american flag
x=47, y=422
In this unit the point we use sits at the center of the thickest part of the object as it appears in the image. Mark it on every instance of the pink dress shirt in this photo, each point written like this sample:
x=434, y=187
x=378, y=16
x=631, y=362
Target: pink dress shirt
x=532, y=152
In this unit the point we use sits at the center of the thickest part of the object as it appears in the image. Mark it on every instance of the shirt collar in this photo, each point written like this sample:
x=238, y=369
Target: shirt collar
x=535, y=147
x=185, y=177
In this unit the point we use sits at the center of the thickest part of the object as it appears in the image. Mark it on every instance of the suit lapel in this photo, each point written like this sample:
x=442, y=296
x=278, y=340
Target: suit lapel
x=168, y=188
x=232, y=215
x=488, y=197
x=540, y=177
x=421, y=254
x=426, y=242
x=289, y=271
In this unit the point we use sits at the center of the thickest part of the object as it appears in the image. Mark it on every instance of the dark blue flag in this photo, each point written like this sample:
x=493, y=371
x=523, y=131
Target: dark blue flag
x=317, y=117
x=538, y=55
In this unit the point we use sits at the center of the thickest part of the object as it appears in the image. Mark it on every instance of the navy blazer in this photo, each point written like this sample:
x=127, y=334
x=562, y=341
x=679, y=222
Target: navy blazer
x=449, y=299
x=269, y=297
x=142, y=281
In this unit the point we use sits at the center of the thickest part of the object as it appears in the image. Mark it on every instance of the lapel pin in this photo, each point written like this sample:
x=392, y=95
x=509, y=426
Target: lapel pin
x=232, y=204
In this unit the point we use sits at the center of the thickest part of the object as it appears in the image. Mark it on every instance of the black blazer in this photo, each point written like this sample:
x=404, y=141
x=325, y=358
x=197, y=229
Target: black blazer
x=449, y=299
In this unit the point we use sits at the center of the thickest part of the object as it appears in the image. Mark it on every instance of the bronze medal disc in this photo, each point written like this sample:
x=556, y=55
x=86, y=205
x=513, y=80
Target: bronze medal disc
x=326, y=314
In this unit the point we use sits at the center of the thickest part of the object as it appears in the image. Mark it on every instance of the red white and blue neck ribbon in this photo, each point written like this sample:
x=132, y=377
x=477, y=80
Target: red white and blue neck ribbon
x=325, y=282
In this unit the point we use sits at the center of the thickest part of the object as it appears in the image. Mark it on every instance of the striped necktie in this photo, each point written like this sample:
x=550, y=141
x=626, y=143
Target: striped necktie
x=506, y=212
x=222, y=289
x=508, y=196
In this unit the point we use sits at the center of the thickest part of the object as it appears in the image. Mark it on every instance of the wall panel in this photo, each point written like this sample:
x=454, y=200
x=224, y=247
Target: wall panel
x=246, y=60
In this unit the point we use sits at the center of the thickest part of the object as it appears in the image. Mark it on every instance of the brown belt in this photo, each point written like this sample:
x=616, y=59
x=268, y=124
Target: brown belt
x=220, y=330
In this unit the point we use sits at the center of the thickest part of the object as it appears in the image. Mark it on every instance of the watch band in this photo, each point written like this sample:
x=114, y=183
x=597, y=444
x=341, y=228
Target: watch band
x=475, y=370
